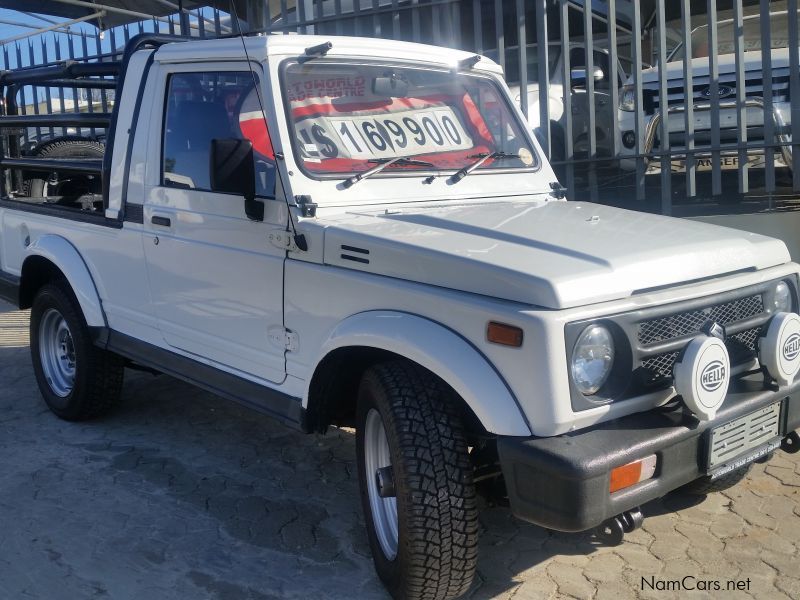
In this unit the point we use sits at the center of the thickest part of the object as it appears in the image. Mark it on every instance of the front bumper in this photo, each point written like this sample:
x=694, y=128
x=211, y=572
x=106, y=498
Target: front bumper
x=728, y=114
x=562, y=482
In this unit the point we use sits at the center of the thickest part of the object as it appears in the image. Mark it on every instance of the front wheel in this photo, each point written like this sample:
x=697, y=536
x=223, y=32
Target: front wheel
x=416, y=483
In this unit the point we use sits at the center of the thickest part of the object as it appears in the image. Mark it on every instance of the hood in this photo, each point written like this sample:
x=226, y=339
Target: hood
x=551, y=254
x=726, y=64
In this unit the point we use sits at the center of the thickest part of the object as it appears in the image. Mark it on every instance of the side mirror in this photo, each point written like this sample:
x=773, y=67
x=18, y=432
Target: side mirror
x=233, y=172
x=578, y=76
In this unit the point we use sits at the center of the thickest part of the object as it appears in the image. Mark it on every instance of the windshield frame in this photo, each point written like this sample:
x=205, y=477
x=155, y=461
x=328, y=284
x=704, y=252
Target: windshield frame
x=673, y=55
x=356, y=60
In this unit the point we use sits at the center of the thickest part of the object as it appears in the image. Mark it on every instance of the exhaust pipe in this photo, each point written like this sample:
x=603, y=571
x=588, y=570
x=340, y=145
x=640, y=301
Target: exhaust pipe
x=791, y=443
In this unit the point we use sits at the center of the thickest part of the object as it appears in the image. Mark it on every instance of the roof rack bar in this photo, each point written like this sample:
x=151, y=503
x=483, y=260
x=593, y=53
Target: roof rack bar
x=73, y=165
x=94, y=59
x=57, y=120
x=68, y=69
x=104, y=84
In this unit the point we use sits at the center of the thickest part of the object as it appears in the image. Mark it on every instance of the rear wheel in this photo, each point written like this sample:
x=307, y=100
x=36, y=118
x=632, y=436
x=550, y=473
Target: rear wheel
x=76, y=379
x=416, y=483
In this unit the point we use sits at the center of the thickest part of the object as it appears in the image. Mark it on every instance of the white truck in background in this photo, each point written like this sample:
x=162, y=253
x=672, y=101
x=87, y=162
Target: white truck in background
x=364, y=233
x=700, y=97
x=603, y=107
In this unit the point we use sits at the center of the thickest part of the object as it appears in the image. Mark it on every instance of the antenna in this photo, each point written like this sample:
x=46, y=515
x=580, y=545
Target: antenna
x=299, y=239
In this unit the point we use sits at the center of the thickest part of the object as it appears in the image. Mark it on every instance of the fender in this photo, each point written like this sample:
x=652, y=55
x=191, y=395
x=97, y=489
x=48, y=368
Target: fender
x=441, y=351
x=63, y=255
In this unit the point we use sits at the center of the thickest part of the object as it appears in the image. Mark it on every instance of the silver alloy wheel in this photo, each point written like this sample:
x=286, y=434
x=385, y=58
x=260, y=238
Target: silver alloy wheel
x=57, y=352
x=384, y=510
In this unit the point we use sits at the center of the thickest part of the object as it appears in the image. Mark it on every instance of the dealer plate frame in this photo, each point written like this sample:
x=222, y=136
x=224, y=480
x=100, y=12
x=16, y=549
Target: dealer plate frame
x=744, y=440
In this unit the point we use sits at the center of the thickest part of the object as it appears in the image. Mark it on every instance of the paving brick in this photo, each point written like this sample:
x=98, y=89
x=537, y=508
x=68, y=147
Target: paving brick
x=604, y=567
x=570, y=581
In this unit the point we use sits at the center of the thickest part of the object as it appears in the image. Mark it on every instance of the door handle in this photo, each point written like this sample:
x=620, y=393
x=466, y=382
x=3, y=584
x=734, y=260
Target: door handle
x=161, y=221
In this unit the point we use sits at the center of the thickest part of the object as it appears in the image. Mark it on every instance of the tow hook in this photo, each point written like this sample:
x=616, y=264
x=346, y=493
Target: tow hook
x=612, y=531
x=791, y=443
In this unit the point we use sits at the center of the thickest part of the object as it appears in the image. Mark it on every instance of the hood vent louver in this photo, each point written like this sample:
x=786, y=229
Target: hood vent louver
x=355, y=254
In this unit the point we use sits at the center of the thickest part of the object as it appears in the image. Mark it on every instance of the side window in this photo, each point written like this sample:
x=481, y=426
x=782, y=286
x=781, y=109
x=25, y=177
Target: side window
x=201, y=107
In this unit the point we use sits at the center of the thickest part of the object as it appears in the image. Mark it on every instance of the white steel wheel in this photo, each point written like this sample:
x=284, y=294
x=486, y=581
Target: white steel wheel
x=384, y=510
x=57, y=353
x=77, y=379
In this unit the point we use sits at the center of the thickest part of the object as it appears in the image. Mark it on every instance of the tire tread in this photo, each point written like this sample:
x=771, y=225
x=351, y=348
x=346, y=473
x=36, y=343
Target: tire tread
x=442, y=533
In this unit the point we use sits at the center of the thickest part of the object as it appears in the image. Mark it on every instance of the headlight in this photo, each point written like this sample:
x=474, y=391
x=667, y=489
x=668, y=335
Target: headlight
x=592, y=359
x=782, y=297
x=627, y=99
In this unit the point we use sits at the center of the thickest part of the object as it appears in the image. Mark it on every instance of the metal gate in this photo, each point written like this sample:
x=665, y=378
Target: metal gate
x=663, y=106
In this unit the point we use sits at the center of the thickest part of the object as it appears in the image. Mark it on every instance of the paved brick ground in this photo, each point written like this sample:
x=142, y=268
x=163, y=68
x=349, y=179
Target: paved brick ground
x=182, y=495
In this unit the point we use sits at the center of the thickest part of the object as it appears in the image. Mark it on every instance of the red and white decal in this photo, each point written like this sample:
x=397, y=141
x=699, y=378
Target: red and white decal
x=254, y=127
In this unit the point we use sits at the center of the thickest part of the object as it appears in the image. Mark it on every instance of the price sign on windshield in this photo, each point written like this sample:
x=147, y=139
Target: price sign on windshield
x=401, y=133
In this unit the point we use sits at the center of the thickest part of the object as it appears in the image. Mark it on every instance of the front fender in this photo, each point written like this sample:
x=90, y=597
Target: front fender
x=63, y=255
x=441, y=351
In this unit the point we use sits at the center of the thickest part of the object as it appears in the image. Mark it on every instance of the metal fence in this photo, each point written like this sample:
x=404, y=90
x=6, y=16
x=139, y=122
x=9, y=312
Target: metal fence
x=649, y=104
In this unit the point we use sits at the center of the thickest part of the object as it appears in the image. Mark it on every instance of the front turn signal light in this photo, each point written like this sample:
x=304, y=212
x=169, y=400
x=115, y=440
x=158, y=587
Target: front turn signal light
x=633, y=473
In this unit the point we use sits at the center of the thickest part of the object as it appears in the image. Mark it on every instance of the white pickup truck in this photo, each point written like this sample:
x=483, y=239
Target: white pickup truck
x=673, y=108
x=579, y=99
x=364, y=233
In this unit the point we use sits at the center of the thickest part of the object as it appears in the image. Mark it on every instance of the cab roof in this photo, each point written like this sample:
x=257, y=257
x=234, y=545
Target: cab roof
x=262, y=46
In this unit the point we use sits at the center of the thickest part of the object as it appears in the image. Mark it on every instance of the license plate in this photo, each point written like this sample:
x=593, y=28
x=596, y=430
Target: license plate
x=729, y=163
x=706, y=164
x=744, y=440
x=744, y=460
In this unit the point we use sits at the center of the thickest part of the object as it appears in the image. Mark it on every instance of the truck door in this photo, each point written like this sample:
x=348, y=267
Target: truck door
x=216, y=280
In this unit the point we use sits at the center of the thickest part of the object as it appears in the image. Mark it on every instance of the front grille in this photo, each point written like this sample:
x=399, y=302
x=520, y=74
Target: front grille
x=690, y=322
x=659, y=366
x=651, y=338
x=742, y=348
x=753, y=84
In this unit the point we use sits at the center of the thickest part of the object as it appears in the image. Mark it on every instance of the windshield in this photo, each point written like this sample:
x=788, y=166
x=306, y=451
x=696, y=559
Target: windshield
x=779, y=36
x=345, y=116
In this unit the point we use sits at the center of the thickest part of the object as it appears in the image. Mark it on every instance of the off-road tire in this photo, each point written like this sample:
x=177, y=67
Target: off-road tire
x=68, y=147
x=98, y=373
x=436, y=503
x=704, y=485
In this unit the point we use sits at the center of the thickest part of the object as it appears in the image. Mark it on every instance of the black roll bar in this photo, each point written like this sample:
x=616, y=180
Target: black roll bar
x=74, y=73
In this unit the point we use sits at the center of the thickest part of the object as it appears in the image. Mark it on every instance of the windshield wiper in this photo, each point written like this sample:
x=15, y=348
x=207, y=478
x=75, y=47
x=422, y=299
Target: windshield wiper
x=482, y=158
x=381, y=164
